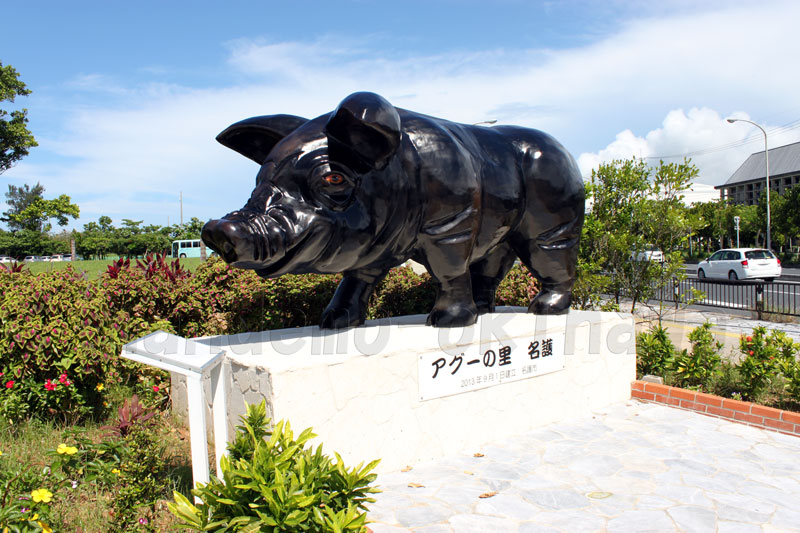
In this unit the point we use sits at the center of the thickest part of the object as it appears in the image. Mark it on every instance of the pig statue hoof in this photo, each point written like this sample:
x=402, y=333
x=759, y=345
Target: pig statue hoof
x=340, y=318
x=550, y=302
x=453, y=316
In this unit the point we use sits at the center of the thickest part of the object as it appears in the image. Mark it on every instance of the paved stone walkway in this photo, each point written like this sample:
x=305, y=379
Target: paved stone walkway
x=631, y=467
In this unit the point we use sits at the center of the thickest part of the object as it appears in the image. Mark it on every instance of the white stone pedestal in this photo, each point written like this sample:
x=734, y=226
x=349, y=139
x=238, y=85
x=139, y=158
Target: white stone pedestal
x=360, y=388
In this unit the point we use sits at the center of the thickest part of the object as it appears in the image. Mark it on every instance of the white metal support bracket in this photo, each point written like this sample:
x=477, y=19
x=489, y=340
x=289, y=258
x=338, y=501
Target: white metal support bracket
x=193, y=360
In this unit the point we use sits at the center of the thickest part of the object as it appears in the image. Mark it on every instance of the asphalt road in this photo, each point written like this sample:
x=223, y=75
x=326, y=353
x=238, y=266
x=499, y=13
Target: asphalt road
x=781, y=297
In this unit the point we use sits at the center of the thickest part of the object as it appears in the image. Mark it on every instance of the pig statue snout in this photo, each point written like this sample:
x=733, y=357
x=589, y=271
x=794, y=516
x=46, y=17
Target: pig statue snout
x=224, y=237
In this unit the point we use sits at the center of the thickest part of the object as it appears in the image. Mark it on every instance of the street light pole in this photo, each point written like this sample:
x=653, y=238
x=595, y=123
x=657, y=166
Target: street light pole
x=766, y=160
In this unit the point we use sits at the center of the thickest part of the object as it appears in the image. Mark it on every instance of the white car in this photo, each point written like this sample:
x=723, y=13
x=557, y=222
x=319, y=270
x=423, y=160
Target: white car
x=6, y=259
x=650, y=253
x=32, y=258
x=740, y=263
x=57, y=257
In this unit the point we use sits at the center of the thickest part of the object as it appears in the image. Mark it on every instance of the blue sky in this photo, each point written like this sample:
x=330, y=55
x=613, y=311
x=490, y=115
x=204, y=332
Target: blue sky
x=128, y=97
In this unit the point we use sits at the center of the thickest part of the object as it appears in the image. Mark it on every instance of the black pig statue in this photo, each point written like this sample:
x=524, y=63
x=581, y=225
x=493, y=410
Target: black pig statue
x=368, y=186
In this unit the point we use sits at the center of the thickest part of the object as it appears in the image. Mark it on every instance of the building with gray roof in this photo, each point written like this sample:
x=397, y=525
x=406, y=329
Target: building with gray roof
x=747, y=183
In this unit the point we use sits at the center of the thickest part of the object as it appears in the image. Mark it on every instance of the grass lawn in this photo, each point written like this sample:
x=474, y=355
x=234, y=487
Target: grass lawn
x=94, y=268
x=29, y=448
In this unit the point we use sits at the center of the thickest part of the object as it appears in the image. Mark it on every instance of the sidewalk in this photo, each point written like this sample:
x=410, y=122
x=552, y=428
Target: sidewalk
x=630, y=467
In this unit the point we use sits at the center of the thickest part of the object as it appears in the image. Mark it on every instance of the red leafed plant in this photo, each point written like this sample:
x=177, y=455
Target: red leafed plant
x=129, y=414
x=154, y=264
x=13, y=267
x=117, y=266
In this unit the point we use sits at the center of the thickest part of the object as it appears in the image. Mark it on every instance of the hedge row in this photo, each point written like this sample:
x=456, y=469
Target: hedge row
x=60, y=333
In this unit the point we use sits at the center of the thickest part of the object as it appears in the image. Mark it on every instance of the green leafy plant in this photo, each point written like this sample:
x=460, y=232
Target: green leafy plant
x=142, y=479
x=272, y=482
x=654, y=351
x=694, y=369
x=402, y=292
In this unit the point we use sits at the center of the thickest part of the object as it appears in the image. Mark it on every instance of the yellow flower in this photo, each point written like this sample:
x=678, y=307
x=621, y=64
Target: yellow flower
x=115, y=471
x=100, y=387
x=64, y=449
x=35, y=516
x=42, y=495
x=45, y=527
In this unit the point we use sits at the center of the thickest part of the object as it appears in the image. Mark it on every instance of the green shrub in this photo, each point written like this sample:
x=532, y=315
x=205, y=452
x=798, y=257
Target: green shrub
x=278, y=485
x=726, y=382
x=402, y=292
x=696, y=368
x=654, y=351
x=518, y=288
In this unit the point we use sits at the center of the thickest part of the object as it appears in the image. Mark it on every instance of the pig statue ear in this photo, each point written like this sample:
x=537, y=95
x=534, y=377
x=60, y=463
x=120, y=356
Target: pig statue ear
x=255, y=137
x=365, y=129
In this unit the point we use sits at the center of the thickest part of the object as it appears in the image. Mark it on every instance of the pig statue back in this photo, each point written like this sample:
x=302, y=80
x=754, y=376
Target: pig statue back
x=368, y=186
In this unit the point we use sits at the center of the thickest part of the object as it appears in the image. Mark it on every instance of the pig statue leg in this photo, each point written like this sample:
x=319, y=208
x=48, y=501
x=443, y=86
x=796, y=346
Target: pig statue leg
x=552, y=257
x=487, y=274
x=348, y=307
x=454, y=306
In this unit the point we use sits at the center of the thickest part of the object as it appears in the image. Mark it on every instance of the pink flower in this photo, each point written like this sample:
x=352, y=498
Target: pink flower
x=62, y=378
x=9, y=384
x=49, y=385
x=155, y=388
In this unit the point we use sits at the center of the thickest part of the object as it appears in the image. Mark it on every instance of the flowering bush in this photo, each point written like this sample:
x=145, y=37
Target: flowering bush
x=25, y=498
x=770, y=358
x=128, y=472
x=59, y=339
x=768, y=372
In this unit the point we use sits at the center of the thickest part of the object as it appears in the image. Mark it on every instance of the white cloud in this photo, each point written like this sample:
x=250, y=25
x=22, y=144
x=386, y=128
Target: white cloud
x=717, y=147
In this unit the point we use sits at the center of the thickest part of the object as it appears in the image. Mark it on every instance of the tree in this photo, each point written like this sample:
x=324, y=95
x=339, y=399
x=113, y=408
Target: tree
x=19, y=199
x=635, y=206
x=187, y=230
x=35, y=217
x=15, y=139
x=96, y=239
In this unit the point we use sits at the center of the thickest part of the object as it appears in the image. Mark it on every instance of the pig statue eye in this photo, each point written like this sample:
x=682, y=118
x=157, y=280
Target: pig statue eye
x=333, y=179
x=335, y=188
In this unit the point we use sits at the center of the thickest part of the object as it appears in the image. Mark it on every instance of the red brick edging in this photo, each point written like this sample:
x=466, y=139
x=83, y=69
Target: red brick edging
x=752, y=414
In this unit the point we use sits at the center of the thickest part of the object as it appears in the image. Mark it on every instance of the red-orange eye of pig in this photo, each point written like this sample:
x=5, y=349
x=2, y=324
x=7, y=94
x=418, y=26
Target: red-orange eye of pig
x=334, y=179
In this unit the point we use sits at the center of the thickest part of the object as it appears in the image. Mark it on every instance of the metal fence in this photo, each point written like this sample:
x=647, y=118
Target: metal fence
x=776, y=297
